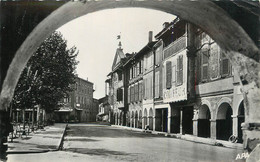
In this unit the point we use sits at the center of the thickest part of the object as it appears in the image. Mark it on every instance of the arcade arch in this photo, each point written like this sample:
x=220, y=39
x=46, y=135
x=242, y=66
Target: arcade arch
x=224, y=121
x=204, y=121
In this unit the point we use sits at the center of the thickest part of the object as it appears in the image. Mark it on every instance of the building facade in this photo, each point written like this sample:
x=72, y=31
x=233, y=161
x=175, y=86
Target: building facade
x=182, y=83
x=103, y=109
x=79, y=106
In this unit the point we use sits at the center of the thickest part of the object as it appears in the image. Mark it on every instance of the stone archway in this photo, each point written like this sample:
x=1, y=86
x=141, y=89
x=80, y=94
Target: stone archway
x=132, y=119
x=204, y=121
x=136, y=119
x=240, y=120
x=224, y=121
x=206, y=14
x=150, y=119
x=140, y=118
x=145, y=118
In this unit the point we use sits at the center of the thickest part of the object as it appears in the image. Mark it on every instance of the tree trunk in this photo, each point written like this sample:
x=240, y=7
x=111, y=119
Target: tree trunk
x=23, y=118
x=32, y=126
x=38, y=115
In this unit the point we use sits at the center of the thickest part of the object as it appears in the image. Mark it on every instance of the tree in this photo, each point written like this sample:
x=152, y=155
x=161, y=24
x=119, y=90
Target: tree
x=48, y=75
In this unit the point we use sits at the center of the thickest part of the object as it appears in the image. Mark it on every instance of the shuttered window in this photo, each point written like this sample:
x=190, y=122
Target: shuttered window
x=140, y=91
x=144, y=88
x=168, y=74
x=130, y=73
x=198, y=69
x=156, y=84
x=132, y=94
x=151, y=88
x=119, y=94
x=224, y=67
x=128, y=95
x=204, y=66
x=141, y=66
x=136, y=93
x=137, y=69
x=180, y=70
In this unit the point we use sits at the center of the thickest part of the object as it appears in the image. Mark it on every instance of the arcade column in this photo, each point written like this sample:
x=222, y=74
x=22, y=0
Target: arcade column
x=213, y=129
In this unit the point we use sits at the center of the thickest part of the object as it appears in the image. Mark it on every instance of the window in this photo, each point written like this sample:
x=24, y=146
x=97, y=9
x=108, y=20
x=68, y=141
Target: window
x=128, y=95
x=137, y=69
x=224, y=65
x=141, y=66
x=140, y=87
x=120, y=76
x=119, y=94
x=204, y=66
x=133, y=72
x=180, y=70
x=136, y=93
x=174, y=73
x=168, y=74
x=130, y=73
x=144, y=88
x=156, y=84
x=158, y=54
x=132, y=93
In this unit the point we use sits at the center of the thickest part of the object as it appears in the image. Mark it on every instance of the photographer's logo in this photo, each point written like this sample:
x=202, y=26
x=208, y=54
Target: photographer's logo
x=242, y=156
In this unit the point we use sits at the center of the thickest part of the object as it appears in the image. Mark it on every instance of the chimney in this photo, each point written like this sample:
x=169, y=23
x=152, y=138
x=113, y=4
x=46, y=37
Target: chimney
x=165, y=25
x=150, y=38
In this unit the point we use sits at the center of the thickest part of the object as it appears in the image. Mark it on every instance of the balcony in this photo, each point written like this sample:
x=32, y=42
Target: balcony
x=175, y=47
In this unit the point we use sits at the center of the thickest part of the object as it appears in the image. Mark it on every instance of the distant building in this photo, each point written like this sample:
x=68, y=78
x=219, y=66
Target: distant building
x=94, y=110
x=78, y=106
x=103, y=109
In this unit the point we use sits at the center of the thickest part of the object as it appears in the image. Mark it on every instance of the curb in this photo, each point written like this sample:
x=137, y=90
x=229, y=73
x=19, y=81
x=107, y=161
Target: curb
x=181, y=137
x=62, y=139
x=28, y=152
x=42, y=150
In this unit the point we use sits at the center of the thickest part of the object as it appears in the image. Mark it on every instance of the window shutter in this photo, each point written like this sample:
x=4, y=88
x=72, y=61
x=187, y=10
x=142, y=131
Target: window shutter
x=198, y=68
x=180, y=70
x=204, y=69
x=224, y=65
x=144, y=88
x=151, y=88
x=131, y=94
x=168, y=74
x=128, y=95
x=140, y=91
x=156, y=84
x=136, y=93
x=141, y=66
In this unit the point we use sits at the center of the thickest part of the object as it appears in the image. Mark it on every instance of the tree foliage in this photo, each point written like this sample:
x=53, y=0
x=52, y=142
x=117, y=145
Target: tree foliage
x=48, y=75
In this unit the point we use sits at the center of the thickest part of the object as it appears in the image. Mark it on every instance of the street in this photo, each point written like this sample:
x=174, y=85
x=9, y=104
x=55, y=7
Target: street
x=90, y=142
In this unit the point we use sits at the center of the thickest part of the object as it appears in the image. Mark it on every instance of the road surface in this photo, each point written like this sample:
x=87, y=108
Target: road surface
x=97, y=143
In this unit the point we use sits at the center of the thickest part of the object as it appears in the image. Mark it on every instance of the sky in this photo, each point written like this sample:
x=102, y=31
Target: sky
x=95, y=36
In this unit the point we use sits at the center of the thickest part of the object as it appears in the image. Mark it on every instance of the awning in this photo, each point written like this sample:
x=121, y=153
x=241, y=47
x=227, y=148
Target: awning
x=101, y=114
x=64, y=109
x=78, y=109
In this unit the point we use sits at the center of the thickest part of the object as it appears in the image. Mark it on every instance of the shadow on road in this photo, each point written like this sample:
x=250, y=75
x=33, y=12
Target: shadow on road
x=103, y=152
x=98, y=131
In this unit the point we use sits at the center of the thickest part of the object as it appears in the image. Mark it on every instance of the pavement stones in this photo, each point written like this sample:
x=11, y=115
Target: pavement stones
x=44, y=140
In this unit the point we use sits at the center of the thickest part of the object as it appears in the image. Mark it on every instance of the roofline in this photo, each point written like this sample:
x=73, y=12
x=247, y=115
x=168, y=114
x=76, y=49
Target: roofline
x=84, y=80
x=138, y=53
x=175, y=21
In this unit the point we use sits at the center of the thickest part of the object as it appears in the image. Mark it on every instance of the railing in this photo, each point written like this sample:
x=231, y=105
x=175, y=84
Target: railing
x=175, y=46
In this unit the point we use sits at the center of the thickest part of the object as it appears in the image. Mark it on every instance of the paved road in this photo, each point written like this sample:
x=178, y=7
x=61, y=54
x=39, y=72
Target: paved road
x=115, y=144
x=96, y=143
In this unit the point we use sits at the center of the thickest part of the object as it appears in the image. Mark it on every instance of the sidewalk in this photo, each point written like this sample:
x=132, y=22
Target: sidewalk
x=44, y=140
x=187, y=137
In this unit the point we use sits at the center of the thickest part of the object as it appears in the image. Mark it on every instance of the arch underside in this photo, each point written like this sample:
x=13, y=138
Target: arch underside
x=227, y=33
x=205, y=14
